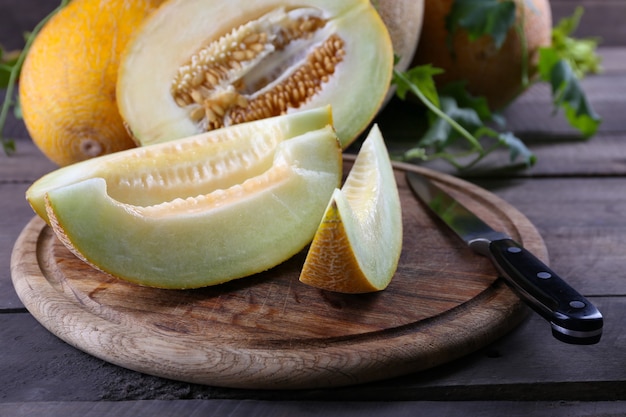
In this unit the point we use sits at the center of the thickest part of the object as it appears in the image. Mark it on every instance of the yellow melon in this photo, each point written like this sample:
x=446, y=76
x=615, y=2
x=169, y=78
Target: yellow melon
x=67, y=84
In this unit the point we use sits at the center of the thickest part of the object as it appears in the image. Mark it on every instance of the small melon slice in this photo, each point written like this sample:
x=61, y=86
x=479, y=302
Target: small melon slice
x=212, y=160
x=210, y=238
x=195, y=65
x=357, y=246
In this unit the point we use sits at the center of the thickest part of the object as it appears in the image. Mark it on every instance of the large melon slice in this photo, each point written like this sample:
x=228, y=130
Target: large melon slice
x=223, y=230
x=195, y=65
x=150, y=175
x=208, y=239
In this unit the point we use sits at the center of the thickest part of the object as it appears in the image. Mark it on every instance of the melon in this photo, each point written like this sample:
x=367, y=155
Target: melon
x=67, y=84
x=197, y=211
x=494, y=73
x=208, y=239
x=194, y=66
x=357, y=246
x=183, y=169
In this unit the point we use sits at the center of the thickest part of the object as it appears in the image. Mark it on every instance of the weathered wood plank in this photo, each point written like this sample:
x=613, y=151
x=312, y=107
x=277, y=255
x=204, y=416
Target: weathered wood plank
x=250, y=408
x=533, y=113
x=528, y=364
x=602, y=18
x=26, y=165
x=15, y=214
x=602, y=155
x=18, y=17
x=582, y=223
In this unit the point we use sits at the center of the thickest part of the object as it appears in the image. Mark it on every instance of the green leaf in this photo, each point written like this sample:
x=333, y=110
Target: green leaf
x=548, y=58
x=562, y=65
x=421, y=77
x=580, y=53
x=459, y=91
x=569, y=95
x=441, y=134
x=403, y=80
x=8, y=145
x=458, y=115
x=517, y=149
x=482, y=17
x=7, y=62
x=567, y=92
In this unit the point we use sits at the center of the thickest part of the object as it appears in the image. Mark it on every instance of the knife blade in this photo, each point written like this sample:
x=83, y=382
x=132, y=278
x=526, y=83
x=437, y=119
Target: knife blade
x=572, y=317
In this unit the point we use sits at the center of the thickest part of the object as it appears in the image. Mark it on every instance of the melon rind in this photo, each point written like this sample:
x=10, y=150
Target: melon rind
x=247, y=229
x=359, y=241
x=149, y=64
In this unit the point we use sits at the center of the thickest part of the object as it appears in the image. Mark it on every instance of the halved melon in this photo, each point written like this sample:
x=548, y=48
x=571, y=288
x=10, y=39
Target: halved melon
x=359, y=241
x=192, y=166
x=195, y=65
x=206, y=239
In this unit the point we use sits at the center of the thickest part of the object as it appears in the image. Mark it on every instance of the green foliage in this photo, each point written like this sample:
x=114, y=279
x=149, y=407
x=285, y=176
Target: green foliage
x=562, y=65
x=8, y=61
x=457, y=123
x=421, y=76
x=456, y=115
x=9, y=65
x=482, y=17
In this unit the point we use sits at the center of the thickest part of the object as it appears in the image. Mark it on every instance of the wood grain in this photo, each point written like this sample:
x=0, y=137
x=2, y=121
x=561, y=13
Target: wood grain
x=251, y=408
x=270, y=331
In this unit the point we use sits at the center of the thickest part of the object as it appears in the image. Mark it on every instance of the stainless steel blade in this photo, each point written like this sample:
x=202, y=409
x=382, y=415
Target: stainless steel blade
x=474, y=231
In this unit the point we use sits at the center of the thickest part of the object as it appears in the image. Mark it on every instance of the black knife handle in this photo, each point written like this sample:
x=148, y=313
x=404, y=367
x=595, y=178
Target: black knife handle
x=573, y=318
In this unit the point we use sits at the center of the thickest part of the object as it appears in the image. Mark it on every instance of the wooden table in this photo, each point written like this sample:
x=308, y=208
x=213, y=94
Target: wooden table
x=575, y=196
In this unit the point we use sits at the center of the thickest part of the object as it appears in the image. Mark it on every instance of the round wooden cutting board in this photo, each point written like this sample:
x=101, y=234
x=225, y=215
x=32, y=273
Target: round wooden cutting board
x=271, y=331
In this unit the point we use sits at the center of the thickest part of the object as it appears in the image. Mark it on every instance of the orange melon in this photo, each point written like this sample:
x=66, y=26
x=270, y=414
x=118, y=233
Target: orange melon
x=494, y=73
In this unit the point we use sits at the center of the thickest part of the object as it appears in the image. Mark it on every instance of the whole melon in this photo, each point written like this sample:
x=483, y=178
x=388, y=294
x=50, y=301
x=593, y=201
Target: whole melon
x=403, y=19
x=67, y=83
x=495, y=73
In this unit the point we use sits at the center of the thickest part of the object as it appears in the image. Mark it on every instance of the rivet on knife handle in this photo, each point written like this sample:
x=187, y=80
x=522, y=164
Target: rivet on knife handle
x=573, y=318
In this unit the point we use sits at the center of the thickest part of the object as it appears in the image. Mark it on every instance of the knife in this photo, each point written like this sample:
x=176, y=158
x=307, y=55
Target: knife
x=572, y=317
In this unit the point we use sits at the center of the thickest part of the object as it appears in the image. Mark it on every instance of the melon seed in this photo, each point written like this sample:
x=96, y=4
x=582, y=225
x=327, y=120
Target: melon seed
x=258, y=70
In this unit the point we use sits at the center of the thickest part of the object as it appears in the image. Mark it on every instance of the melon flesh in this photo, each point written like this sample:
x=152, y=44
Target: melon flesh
x=207, y=239
x=359, y=241
x=174, y=35
x=189, y=167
